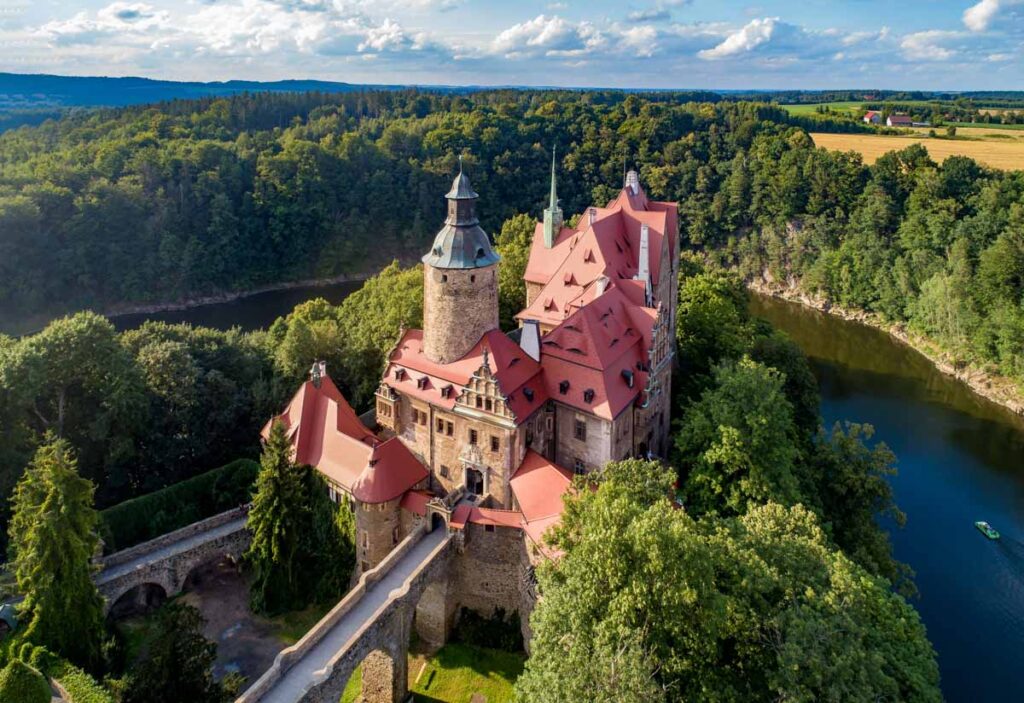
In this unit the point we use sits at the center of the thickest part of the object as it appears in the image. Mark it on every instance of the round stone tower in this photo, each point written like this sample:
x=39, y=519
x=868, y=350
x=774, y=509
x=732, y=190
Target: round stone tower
x=460, y=280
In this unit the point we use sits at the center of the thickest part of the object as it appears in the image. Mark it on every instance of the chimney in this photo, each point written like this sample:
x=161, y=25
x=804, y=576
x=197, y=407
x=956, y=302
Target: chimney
x=529, y=339
x=317, y=372
x=601, y=285
x=633, y=181
x=643, y=270
x=592, y=214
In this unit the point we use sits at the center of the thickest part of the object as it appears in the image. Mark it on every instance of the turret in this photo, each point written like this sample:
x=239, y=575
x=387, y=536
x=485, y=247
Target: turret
x=552, y=213
x=460, y=283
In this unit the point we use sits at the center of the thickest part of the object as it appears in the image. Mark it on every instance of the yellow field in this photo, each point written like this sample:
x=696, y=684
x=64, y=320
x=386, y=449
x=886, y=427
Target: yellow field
x=998, y=153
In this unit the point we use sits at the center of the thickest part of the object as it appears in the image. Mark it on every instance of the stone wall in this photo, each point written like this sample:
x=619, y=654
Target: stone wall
x=459, y=305
x=378, y=531
x=132, y=553
x=488, y=572
x=593, y=452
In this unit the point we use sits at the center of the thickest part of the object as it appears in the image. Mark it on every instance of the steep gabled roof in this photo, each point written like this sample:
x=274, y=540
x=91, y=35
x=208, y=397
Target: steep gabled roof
x=595, y=360
x=327, y=434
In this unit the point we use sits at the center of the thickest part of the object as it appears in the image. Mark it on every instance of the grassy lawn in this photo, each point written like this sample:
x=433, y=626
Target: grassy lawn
x=454, y=673
x=457, y=671
x=292, y=626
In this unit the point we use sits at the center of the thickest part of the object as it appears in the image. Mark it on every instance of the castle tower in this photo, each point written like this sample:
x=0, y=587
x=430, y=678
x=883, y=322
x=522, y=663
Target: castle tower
x=460, y=280
x=552, y=213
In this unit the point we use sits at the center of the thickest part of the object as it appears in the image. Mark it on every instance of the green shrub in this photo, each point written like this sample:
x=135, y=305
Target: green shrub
x=20, y=683
x=496, y=632
x=144, y=518
x=43, y=659
x=80, y=686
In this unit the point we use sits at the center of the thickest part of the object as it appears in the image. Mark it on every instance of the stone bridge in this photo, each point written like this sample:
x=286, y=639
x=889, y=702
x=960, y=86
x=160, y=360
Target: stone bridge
x=164, y=564
x=371, y=626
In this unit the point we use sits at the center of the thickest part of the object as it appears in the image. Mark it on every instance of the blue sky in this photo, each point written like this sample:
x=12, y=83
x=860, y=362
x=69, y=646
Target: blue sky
x=923, y=44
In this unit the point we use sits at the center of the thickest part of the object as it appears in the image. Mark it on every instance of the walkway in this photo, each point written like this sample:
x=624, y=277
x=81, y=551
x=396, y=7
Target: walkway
x=169, y=551
x=376, y=603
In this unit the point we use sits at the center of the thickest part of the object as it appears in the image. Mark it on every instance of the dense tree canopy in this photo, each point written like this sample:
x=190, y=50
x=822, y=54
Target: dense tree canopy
x=178, y=662
x=648, y=604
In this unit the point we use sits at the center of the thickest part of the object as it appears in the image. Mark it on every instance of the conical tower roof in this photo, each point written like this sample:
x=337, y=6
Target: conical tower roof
x=461, y=243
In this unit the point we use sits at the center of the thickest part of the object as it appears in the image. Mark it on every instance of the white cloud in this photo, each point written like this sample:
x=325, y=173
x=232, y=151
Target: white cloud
x=928, y=46
x=640, y=41
x=978, y=17
x=752, y=35
x=550, y=36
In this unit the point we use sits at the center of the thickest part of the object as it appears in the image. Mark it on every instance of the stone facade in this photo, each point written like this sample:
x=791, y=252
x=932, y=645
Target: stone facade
x=459, y=305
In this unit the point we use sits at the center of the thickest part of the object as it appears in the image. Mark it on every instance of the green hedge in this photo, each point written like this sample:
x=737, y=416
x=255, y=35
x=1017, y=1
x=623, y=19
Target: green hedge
x=81, y=687
x=20, y=683
x=149, y=516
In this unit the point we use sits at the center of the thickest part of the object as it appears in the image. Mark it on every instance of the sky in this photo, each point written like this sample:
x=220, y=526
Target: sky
x=684, y=44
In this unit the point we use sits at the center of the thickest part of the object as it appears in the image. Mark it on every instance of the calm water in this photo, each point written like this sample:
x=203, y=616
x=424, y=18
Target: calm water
x=959, y=461
x=250, y=313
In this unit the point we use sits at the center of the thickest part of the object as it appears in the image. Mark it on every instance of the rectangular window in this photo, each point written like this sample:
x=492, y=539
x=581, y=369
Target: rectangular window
x=549, y=423
x=449, y=429
x=579, y=467
x=479, y=402
x=495, y=443
x=440, y=425
x=472, y=436
x=444, y=471
x=489, y=528
x=487, y=404
x=366, y=539
x=580, y=430
x=394, y=535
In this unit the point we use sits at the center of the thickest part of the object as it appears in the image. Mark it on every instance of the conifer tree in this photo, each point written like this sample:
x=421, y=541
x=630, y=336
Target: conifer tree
x=52, y=541
x=275, y=521
x=302, y=545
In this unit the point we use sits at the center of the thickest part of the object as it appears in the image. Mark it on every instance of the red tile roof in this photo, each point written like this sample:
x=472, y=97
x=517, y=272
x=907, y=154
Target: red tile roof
x=597, y=350
x=513, y=369
x=609, y=246
x=327, y=434
x=539, y=486
x=416, y=502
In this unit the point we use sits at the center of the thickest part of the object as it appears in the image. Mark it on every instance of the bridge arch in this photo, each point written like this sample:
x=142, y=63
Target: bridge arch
x=138, y=600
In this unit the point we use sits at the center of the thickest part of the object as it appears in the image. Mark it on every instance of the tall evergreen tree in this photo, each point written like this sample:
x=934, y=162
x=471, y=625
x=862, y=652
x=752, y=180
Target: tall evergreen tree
x=302, y=548
x=52, y=541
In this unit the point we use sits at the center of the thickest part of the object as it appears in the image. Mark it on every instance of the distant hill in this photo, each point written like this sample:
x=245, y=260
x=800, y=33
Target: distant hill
x=25, y=91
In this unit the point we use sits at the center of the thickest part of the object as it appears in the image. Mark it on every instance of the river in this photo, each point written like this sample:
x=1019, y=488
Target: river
x=251, y=312
x=959, y=461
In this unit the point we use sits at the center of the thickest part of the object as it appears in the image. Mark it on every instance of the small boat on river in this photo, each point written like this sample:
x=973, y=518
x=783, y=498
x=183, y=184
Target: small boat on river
x=987, y=529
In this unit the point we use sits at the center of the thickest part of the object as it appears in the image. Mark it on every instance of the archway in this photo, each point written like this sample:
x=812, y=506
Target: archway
x=437, y=522
x=138, y=600
x=474, y=481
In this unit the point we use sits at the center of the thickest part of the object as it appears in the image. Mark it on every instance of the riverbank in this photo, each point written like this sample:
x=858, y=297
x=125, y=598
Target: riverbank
x=119, y=312
x=991, y=386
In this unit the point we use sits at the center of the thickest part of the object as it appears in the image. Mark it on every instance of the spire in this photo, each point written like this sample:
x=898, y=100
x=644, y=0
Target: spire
x=552, y=213
x=461, y=244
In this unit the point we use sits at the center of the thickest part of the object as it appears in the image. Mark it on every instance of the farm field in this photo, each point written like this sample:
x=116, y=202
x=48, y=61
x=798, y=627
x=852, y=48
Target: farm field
x=811, y=108
x=1000, y=153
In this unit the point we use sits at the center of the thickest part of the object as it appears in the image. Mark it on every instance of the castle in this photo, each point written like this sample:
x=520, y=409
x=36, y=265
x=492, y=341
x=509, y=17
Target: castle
x=481, y=431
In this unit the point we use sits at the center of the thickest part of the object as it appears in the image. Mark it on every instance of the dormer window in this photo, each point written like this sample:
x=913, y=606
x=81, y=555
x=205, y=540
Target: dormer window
x=588, y=395
x=421, y=382
x=399, y=374
x=446, y=392
x=563, y=387
x=528, y=393
x=628, y=375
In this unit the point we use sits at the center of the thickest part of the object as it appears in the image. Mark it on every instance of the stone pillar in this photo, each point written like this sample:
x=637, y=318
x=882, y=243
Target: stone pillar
x=435, y=613
x=385, y=671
